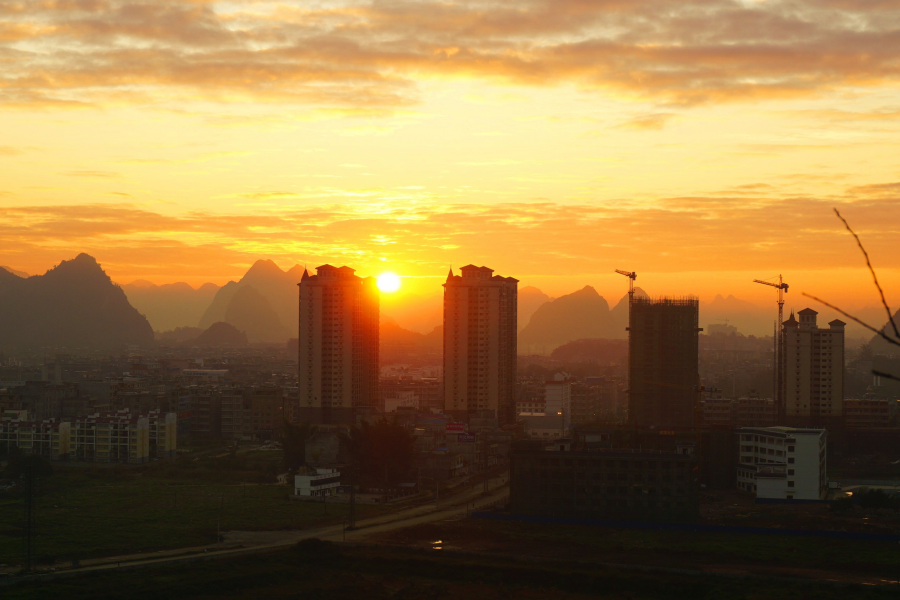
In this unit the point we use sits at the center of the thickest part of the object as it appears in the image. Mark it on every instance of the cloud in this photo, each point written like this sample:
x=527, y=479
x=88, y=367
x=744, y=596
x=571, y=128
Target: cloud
x=648, y=122
x=876, y=189
x=361, y=55
x=94, y=174
x=767, y=229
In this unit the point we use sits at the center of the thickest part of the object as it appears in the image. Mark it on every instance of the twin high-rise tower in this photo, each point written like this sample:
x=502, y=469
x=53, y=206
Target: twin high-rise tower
x=480, y=311
x=338, y=337
x=338, y=366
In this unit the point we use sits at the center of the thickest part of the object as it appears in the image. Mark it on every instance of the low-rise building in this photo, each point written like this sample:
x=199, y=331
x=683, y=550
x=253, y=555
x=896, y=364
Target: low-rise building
x=163, y=434
x=317, y=482
x=867, y=413
x=754, y=411
x=783, y=463
x=49, y=438
x=603, y=484
x=543, y=425
x=111, y=438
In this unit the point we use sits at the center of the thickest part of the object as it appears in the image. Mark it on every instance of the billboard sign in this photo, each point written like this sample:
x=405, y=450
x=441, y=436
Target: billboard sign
x=465, y=438
x=456, y=427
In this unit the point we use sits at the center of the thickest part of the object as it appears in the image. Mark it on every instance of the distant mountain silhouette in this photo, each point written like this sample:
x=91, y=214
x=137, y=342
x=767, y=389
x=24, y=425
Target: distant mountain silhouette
x=279, y=288
x=220, y=334
x=575, y=316
x=178, y=335
x=171, y=305
x=21, y=274
x=600, y=351
x=412, y=311
x=879, y=345
x=399, y=345
x=529, y=299
x=74, y=305
x=749, y=318
x=251, y=312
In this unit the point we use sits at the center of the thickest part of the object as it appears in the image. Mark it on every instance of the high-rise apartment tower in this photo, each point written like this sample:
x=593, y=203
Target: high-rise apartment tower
x=813, y=368
x=338, y=337
x=480, y=343
x=663, y=362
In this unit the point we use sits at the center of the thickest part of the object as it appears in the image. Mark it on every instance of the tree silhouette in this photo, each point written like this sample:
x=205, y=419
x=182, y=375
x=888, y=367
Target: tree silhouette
x=383, y=452
x=879, y=332
x=294, y=438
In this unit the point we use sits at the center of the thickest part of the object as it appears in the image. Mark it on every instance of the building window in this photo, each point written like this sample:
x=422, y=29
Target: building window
x=790, y=484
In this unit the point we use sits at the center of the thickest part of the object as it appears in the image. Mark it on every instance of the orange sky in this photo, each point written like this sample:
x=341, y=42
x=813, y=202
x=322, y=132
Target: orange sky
x=700, y=142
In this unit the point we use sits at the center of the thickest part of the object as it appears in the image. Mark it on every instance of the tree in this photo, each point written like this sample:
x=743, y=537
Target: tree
x=20, y=463
x=382, y=452
x=294, y=441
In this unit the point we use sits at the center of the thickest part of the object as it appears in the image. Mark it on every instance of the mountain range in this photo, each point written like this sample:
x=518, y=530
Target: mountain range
x=82, y=306
x=584, y=314
x=267, y=312
x=21, y=274
x=171, y=305
x=74, y=304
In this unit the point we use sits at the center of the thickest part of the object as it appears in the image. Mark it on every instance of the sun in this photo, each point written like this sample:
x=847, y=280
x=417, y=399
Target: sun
x=388, y=282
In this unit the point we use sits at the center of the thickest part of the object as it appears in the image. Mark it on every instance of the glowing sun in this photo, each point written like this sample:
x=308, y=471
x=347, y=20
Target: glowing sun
x=388, y=282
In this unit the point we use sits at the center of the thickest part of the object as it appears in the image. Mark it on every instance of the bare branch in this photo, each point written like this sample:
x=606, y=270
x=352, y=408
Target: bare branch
x=885, y=375
x=884, y=303
x=879, y=332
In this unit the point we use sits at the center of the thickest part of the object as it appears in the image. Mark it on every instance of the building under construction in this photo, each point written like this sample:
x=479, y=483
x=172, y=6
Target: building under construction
x=662, y=365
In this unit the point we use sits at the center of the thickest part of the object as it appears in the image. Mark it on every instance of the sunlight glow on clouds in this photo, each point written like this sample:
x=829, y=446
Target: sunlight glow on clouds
x=186, y=138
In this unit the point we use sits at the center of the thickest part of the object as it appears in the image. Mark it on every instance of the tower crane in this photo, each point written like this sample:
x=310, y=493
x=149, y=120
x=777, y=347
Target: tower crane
x=782, y=288
x=631, y=277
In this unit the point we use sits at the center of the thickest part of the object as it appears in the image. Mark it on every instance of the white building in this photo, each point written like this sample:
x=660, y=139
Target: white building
x=782, y=463
x=480, y=343
x=813, y=367
x=322, y=482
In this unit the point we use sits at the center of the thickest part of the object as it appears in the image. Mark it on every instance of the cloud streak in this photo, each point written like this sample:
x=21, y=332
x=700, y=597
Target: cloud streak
x=750, y=227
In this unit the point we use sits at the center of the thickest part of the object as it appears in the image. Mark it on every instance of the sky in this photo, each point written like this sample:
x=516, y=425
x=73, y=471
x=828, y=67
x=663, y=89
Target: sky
x=701, y=143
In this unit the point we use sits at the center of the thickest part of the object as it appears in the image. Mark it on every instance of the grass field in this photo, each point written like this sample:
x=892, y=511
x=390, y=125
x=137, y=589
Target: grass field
x=319, y=570
x=655, y=548
x=80, y=516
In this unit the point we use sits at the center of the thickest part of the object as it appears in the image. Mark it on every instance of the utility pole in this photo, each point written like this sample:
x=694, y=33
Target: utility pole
x=484, y=457
x=29, y=513
x=352, y=497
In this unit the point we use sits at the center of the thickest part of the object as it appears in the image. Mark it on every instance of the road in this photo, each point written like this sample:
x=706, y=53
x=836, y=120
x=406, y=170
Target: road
x=242, y=542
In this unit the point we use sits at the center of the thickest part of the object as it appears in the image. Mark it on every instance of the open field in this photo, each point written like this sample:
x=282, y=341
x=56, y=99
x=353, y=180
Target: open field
x=736, y=508
x=321, y=570
x=83, y=514
x=815, y=558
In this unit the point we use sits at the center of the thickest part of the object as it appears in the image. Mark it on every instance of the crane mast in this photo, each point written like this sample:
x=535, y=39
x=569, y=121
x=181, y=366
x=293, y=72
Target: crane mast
x=782, y=288
x=631, y=277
